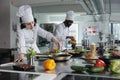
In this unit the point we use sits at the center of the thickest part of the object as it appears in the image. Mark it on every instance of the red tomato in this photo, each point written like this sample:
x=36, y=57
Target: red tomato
x=53, y=51
x=100, y=63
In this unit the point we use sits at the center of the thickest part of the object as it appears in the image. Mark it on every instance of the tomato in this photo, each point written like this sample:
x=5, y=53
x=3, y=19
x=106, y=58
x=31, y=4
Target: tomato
x=100, y=63
x=53, y=51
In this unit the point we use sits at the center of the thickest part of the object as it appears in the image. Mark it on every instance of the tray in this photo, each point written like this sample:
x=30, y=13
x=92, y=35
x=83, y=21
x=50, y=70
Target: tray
x=23, y=67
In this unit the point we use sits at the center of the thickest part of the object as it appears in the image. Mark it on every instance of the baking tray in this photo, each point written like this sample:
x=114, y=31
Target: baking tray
x=23, y=67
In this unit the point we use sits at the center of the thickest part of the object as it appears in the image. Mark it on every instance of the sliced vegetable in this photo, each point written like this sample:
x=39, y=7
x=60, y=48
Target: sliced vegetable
x=54, y=51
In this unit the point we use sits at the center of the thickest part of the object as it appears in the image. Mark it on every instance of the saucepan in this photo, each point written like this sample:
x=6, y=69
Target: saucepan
x=61, y=57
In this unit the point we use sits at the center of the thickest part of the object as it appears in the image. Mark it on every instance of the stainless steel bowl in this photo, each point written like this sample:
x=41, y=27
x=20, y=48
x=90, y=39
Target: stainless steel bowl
x=61, y=57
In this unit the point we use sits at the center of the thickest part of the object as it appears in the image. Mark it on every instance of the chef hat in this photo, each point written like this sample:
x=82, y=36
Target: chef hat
x=70, y=15
x=25, y=12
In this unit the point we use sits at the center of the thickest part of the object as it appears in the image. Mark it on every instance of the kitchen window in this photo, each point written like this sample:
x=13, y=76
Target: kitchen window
x=116, y=30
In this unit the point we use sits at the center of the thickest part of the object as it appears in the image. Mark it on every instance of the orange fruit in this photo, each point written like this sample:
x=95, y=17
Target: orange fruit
x=49, y=64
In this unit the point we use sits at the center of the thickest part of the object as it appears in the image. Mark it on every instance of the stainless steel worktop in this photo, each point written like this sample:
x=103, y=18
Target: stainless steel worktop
x=64, y=68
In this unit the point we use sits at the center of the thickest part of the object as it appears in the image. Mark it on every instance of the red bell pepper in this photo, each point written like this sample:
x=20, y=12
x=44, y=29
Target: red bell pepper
x=100, y=63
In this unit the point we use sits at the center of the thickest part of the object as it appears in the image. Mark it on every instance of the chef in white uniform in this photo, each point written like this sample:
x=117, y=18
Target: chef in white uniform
x=28, y=35
x=62, y=30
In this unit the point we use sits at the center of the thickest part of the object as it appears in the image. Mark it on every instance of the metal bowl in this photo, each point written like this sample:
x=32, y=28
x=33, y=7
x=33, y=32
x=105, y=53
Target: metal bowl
x=61, y=57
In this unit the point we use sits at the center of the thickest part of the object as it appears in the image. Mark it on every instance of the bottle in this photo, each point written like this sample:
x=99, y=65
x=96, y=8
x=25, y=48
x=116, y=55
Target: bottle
x=92, y=48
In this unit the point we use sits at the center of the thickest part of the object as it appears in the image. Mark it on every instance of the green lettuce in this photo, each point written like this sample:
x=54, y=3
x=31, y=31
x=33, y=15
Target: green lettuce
x=31, y=52
x=114, y=66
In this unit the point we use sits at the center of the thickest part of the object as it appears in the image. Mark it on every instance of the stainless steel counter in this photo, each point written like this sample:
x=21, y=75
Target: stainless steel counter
x=61, y=69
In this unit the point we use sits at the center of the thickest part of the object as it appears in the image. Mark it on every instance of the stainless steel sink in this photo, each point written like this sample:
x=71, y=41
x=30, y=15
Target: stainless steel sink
x=72, y=76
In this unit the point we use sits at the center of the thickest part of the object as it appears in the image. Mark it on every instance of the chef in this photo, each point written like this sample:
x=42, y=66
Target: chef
x=27, y=35
x=62, y=30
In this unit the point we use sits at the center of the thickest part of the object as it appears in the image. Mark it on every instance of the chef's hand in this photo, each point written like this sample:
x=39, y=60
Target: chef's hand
x=116, y=53
x=69, y=37
x=20, y=58
x=57, y=42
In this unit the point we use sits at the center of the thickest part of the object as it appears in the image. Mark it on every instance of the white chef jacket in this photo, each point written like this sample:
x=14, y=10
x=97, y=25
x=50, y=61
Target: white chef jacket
x=27, y=38
x=61, y=32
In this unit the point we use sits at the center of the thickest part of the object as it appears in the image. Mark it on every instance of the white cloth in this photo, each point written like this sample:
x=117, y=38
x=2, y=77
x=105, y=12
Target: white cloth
x=27, y=38
x=60, y=32
x=70, y=15
x=25, y=12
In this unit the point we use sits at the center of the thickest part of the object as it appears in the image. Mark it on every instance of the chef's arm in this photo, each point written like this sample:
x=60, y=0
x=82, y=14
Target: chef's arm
x=69, y=37
x=20, y=57
x=20, y=46
x=57, y=42
x=49, y=36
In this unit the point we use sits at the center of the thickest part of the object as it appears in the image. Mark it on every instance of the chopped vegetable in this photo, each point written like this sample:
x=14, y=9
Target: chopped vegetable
x=88, y=68
x=114, y=66
x=54, y=51
x=78, y=50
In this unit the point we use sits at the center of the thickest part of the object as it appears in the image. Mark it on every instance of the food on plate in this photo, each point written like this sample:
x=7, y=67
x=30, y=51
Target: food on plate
x=107, y=53
x=23, y=67
x=78, y=50
x=114, y=66
x=49, y=64
x=116, y=51
x=99, y=63
x=69, y=51
x=54, y=51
